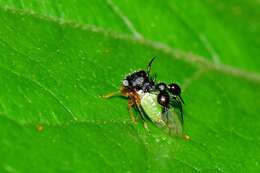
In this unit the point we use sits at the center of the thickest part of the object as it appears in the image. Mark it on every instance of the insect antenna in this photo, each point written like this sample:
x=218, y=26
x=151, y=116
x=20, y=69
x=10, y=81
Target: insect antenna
x=149, y=66
x=153, y=78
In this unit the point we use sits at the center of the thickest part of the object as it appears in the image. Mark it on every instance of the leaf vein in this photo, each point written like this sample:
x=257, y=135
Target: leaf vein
x=124, y=18
x=188, y=57
x=47, y=90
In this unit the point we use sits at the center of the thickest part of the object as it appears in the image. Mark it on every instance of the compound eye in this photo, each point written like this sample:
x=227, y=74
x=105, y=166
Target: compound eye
x=161, y=86
x=125, y=83
x=174, y=89
x=163, y=98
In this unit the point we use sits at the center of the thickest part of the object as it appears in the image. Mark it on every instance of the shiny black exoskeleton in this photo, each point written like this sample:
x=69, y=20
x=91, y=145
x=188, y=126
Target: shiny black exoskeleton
x=170, y=95
x=140, y=80
x=174, y=89
x=164, y=97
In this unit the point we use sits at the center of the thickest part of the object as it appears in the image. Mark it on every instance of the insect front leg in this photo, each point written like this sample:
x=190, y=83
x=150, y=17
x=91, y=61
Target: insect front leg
x=112, y=94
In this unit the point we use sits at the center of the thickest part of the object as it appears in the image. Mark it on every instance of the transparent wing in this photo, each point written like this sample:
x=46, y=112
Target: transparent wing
x=169, y=119
x=173, y=118
x=177, y=103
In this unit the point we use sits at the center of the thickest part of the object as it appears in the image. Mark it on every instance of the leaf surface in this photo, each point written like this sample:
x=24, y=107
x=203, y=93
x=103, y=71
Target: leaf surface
x=57, y=58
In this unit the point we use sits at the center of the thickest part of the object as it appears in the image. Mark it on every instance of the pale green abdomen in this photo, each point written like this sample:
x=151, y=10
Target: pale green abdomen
x=154, y=111
x=152, y=108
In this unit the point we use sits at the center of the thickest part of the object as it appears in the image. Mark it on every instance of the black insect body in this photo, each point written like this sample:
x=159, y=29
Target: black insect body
x=161, y=86
x=140, y=80
x=163, y=99
x=166, y=90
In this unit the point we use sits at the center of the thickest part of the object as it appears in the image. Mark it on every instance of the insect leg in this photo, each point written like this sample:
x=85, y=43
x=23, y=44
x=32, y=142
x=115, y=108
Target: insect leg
x=112, y=94
x=142, y=115
x=130, y=110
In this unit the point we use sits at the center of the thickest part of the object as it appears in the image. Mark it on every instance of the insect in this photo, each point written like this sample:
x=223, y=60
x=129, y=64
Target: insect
x=159, y=103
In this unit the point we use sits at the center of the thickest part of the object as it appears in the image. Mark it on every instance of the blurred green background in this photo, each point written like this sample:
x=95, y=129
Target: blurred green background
x=58, y=57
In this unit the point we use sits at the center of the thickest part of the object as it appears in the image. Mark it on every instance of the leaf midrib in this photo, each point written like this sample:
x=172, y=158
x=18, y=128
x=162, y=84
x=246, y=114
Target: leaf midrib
x=187, y=57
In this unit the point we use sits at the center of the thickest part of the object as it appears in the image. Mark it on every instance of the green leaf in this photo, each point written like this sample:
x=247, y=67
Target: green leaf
x=58, y=57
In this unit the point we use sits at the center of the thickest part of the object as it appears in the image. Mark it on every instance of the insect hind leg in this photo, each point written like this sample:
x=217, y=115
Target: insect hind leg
x=143, y=117
x=131, y=104
x=130, y=110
